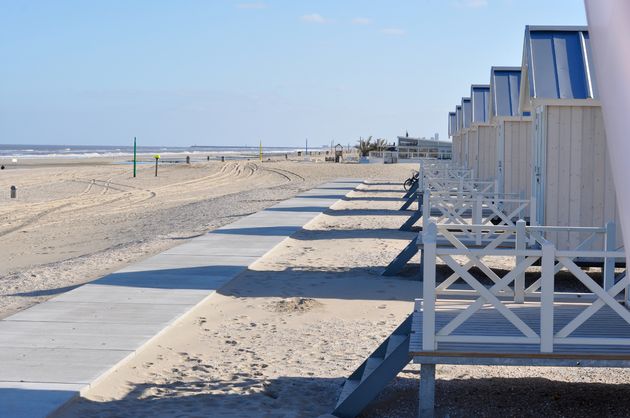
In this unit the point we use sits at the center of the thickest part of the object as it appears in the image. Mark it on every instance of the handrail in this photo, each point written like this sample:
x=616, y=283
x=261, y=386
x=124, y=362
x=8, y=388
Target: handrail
x=512, y=285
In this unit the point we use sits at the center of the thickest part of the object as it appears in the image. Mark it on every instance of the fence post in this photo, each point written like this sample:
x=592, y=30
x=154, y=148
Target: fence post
x=496, y=191
x=609, y=262
x=546, y=297
x=477, y=217
x=429, y=243
x=521, y=243
x=532, y=219
x=426, y=208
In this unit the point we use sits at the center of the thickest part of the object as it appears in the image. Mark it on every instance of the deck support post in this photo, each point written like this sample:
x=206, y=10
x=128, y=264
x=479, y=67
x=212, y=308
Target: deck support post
x=609, y=262
x=426, y=404
x=519, y=281
x=477, y=215
x=429, y=242
x=426, y=209
x=548, y=265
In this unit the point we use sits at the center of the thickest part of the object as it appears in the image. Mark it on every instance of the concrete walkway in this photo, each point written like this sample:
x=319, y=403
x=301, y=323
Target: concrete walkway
x=53, y=351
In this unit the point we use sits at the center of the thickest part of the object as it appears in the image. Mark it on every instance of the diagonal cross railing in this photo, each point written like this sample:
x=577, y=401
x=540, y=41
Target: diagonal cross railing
x=526, y=247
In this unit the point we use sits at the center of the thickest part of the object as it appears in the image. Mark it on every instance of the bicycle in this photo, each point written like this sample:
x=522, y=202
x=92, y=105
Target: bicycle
x=408, y=184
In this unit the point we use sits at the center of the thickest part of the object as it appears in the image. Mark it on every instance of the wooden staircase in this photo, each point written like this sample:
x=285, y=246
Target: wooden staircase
x=375, y=372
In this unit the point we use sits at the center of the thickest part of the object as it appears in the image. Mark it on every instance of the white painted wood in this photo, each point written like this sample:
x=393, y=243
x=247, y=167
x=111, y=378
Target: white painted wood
x=546, y=299
x=578, y=187
x=487, y=152
x=515, y=144
x=429, y=235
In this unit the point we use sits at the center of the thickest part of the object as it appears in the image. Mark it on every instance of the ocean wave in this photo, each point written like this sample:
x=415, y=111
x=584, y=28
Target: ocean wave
x=109, y=154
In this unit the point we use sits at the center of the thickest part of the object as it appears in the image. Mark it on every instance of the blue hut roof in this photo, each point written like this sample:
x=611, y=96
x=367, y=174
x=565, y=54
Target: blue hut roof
x=466, y=112
x=452, y=123
x=479, y=94
x=505, y=85
x=557, y=64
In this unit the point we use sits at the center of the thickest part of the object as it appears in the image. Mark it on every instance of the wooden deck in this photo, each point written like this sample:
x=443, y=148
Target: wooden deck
x=505, y=341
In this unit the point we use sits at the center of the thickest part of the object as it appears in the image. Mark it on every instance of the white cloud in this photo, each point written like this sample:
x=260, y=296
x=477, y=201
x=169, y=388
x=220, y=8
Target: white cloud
x=314, y=18
x=361, y=21
x=393, y=31
x=472, y=4
x=256, y=6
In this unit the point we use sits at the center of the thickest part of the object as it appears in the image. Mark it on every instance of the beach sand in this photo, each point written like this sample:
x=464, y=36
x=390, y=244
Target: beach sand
x=279, y=340
x=78, y=219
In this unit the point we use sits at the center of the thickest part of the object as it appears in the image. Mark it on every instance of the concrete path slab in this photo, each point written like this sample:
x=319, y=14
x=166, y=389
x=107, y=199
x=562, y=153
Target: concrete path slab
x=197, y=278
x=28, y=334
x=26, y=400
x=53, y=351
x=124, y=294
x=104, y=313
x=57, y=365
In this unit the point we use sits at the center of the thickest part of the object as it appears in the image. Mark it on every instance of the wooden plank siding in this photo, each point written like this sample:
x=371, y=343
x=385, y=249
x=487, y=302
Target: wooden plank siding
x=517, y=157
x=487, y=152
x=473, y=151
x=578, y=183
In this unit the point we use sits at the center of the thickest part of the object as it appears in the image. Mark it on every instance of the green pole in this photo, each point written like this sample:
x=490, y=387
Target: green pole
x=134, y=156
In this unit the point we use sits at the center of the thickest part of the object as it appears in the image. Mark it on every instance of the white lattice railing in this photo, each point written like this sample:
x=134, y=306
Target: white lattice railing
x=526, y=246
x=474, y=209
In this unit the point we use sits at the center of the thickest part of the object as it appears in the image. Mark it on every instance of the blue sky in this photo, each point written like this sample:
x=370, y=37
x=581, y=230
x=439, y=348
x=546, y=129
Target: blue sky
x=222, y=72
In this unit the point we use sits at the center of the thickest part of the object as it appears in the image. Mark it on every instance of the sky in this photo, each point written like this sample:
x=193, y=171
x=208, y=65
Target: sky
x=223, y=72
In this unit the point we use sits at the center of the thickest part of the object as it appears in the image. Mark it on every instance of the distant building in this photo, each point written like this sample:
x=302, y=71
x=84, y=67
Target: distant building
x=412, y=148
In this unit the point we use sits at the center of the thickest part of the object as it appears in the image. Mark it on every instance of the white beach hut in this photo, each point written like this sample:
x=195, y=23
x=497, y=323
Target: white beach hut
x=571, y=178
x=457, y=138
x=481, y=134
x=468, y=156
x=452, y=128
x=513, y=132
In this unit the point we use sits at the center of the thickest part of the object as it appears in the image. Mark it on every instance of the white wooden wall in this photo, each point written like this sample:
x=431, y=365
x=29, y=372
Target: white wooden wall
x=457, y=149
x=460, y=153
x=473, y=150
x=486, y=135
x=578, y=188
x=517, y=156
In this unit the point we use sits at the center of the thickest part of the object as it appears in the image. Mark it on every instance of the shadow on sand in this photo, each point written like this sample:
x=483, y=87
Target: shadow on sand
x=310, y=397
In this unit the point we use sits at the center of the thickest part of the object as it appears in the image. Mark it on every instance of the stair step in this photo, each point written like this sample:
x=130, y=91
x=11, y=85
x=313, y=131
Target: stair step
x=394, y=342
x=388, y=359
x=348, y=388
x=371, y=365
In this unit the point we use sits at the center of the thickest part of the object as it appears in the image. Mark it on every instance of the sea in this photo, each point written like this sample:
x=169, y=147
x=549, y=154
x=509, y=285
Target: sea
x=87, y=151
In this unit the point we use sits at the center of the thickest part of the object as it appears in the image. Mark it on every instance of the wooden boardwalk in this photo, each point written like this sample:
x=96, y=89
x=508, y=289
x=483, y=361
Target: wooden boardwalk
x=53, y=351
x=505, y=341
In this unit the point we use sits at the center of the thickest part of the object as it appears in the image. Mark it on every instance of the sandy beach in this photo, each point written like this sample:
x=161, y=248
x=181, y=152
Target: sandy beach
x=279, y=339
x=78, y=219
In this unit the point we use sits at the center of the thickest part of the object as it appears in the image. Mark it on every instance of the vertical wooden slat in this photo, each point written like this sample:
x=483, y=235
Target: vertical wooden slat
x=508, y=163
x=526, y=129
x=551, y=143
x=429, y=236
x=519, y=281
x=610, y=197
x=599, y=177
x=563, y=160
x=576, y=137
x=587, y=195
